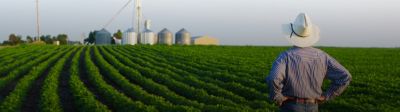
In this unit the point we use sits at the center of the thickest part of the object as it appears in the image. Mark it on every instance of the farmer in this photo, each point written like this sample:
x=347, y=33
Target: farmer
x=297, y=74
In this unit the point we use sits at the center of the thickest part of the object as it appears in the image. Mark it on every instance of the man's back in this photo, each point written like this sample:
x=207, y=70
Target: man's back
x=299, y=73
x=305, y=71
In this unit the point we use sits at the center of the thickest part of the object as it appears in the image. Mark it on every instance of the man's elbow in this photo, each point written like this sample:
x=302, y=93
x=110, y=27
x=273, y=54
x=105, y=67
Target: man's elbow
x=344, y=79
x=269, y=79
x=348, y=77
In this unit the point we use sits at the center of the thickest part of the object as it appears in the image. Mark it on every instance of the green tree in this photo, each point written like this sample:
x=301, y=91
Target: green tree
x=63, y=38
x=6, y=42
x=118, y=34
x=13, y=39
x=112, y=41
x=29, y=39
x=47, y=39
x=54, y=38
x=91, y=39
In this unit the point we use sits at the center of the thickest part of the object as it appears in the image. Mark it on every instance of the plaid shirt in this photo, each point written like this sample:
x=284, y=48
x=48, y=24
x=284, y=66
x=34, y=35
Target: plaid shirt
x=299, y=72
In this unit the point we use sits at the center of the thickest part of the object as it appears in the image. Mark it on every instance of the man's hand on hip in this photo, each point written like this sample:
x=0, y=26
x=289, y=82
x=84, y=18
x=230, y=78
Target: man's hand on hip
x=321, y=99
x=281, y=103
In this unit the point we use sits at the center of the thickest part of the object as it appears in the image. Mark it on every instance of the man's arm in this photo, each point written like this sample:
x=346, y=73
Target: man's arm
x=275, y=78
x=339, y=76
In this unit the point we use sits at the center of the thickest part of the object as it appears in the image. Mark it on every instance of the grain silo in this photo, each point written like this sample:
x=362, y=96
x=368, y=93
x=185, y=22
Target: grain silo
x=148, y=36
x=103, y=37
x=204, y=40
x=165, y=37
x=129, y=37
x=182, y=37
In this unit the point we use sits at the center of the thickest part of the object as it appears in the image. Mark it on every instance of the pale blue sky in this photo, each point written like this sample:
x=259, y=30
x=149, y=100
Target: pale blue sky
x=359, y=23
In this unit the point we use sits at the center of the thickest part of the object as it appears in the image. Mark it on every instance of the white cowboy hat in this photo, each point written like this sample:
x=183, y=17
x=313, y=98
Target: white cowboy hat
x=302, y=33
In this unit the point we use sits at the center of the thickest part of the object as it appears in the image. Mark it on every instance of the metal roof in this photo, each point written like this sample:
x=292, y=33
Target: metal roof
x=103, y=31
x=182, y=31
x=130, y=30
x=165, y=30
x=148, y=31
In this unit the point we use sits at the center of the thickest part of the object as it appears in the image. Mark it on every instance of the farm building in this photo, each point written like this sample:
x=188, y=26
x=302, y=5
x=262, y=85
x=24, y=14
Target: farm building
x=165, y=37
x=103, y=37
x=129, y=37
x=204, y=40
x=148, y=36
x=182, y=37
x=56, y=42
x=117, y=41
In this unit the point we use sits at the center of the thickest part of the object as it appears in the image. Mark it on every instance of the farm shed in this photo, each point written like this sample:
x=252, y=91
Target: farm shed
x=204, y=40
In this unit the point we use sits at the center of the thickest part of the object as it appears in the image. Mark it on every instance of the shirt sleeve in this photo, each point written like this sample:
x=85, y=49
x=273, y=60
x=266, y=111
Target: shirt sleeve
x=276, y=77
x=339, y=76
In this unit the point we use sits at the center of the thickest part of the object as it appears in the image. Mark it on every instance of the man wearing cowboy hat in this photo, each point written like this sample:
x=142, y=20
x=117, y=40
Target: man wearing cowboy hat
x=296, y=77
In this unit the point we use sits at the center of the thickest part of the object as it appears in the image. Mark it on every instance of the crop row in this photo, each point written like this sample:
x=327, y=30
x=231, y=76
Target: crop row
x=14, y=100
x=117, y=100
x=84, y=99
x=135, y=91
x=20, y=59
x=49, y=98
x=123, y=78
x=212, y=77
x=184, y=90
x=187, y=79
x=210, y=68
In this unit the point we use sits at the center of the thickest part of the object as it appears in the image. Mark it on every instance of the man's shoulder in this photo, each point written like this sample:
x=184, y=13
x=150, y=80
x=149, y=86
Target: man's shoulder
x=309, y=50
x=317, y=50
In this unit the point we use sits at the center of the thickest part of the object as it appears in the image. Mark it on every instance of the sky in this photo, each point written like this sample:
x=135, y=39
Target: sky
x=343, y=23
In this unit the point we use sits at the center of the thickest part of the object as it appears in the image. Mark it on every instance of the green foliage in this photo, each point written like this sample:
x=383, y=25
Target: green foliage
x=118, y=101
x=23, y=69
x=49, y=99
x=14, y=100
x=180, y=78
x=118, y=34
x=13, y=39
x=29, y=39
x=134, y=90
x=84, y=99
x=91, y=39
x=63, y=38
x=48, y=39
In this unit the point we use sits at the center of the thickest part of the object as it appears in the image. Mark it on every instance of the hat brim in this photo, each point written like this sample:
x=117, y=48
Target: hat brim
x=301, y=41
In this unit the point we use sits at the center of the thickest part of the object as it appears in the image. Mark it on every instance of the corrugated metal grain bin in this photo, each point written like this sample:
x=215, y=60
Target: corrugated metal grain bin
x=148, y=37
x=182, y=37
x=129, y=37
x=103, y=37
x=165, y=37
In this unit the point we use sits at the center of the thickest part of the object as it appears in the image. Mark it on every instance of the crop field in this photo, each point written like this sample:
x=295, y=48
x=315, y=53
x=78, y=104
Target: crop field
x=177, y=78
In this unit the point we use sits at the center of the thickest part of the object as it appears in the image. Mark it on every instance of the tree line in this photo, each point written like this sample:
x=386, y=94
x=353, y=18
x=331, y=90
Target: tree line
x=14, y=39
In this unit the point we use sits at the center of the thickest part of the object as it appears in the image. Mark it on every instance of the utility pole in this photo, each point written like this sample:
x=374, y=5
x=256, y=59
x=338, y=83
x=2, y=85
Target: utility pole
x=37, y=21
x=83, y=38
